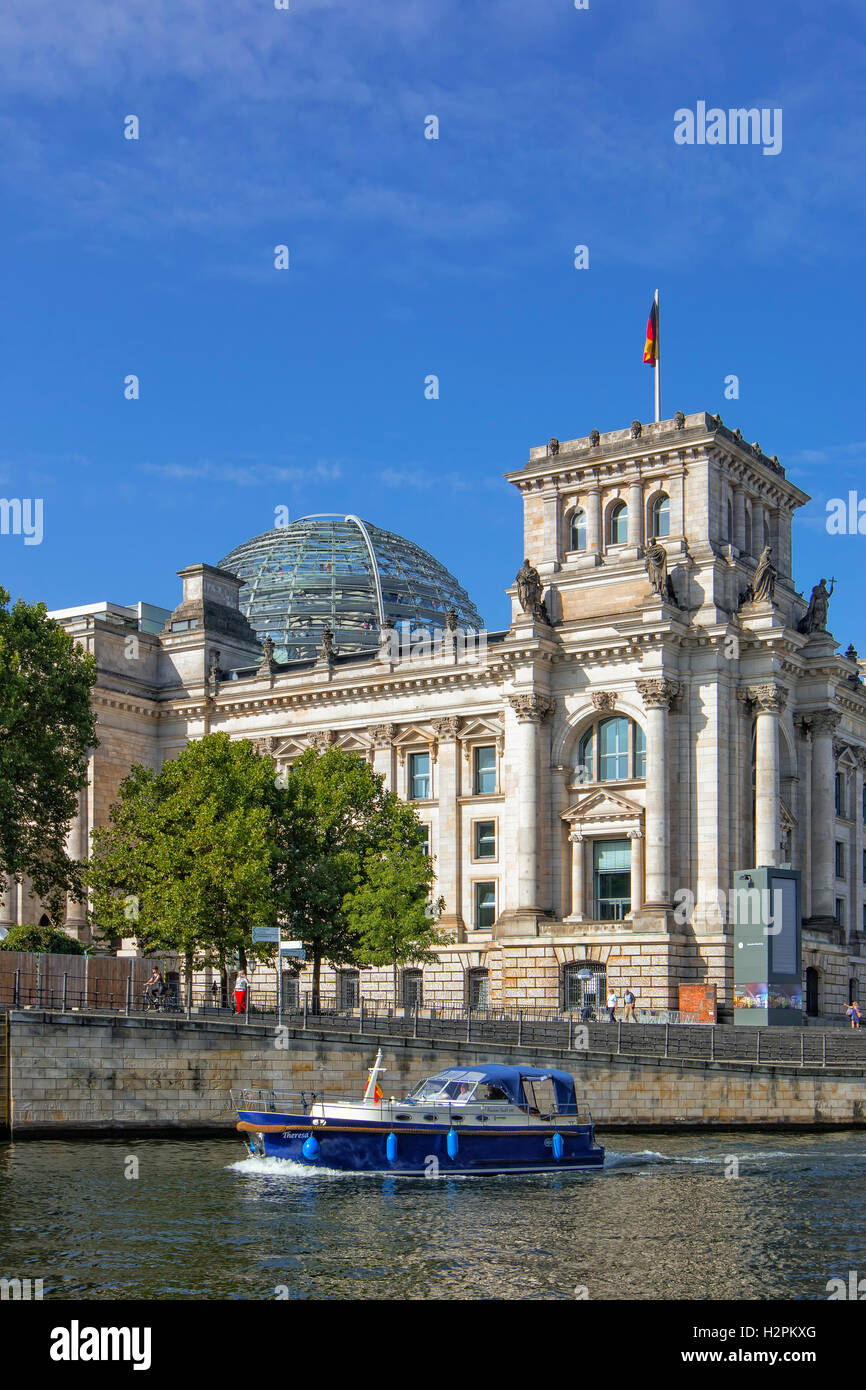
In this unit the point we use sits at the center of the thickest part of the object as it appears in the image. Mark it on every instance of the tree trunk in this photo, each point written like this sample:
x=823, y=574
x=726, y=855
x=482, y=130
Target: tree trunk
x=396, y=1001
x=224, y=982
x=242, y=958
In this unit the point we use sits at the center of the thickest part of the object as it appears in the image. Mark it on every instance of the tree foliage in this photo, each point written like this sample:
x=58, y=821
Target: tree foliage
x=389, y=910
x=337, y=818
x=41, y=940
x=186, y=861
x=47, y=730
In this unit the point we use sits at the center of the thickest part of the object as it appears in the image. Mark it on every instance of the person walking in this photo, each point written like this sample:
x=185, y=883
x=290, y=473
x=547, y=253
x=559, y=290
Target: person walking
x=242, y=985
x=853, y=1012
x=611, y=1005
x=630, y=1001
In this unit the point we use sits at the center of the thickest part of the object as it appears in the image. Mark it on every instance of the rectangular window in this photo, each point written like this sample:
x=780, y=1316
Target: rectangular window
x=413, y=992
x=478, y=989
x=840, y=859
x=613, y=750
x=840, y=794
x=485, y=905
x=639, y=751
x=840, y=912
x=348, y=989
x=611, y=879
x=485, y=839
x=425, y=838
x=864, y=866
x=484, y=781
x=864, y=803
x=419, y=776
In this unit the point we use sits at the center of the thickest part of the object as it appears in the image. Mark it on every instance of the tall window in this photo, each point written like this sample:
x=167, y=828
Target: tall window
x=419, y=776
x=748, y=532
x=660, y=520
x=730, y=521
x=479, y=992
x=425, y=838
x=348, y=989
x=840, y=859
x=484, y=770
x=613, y=750
x=485, y=905
x=578, y=530
x=413, y=992
x=485, y=839
x=840, y=793
x=611, y=879
x=617, y=524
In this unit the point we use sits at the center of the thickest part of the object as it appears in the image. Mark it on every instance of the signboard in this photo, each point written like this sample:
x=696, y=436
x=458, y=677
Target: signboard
x=262, y=934
x=767, y=947
x=293, y=949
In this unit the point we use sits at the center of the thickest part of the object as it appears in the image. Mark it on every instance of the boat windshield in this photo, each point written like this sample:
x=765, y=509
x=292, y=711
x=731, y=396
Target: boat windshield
x=444, y=1088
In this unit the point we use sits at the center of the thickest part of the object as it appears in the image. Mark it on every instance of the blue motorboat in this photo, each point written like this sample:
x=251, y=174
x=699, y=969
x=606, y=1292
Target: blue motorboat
x=466, y=1121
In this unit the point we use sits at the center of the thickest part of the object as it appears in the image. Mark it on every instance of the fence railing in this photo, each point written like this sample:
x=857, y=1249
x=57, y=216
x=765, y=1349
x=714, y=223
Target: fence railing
x=530, y=1027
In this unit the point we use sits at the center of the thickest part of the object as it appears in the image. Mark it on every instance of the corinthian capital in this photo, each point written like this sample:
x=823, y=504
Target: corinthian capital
x=658, y=693
x=768, y=696
x=383, y=734
x=823, y=721
x=445, y=729
x=531, y=708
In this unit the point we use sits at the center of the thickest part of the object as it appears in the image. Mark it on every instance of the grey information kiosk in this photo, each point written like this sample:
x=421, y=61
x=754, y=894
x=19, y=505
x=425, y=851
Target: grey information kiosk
x=767, y=947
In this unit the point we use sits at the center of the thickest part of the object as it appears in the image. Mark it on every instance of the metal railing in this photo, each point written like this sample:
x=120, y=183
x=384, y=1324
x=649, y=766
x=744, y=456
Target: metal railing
x=543, y=1027
x=445, y=1111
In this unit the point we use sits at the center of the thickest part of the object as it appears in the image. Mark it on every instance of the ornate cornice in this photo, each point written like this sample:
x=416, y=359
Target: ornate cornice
x=657, y=693
x=446, y=729
x=531, y=708
x=382, y=735
x=322, y=738
x=822, y=721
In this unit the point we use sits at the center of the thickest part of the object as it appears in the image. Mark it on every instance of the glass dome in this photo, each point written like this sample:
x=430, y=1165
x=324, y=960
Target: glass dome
x=347, y=573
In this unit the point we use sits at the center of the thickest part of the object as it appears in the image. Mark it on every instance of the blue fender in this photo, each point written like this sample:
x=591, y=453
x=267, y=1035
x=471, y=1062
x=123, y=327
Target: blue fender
x=311, y=1147
x=391, y=1147
x=558, y=1146
x=452, y=1143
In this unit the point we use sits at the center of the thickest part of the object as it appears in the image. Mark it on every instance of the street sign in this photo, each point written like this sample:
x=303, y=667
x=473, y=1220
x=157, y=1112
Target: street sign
x=262, y=934
x=293, y=949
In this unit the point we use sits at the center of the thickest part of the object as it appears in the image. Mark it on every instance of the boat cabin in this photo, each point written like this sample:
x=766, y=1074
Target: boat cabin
x=536, y=1091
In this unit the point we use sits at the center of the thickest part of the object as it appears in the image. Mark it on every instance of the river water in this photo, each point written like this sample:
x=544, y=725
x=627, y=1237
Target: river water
x=666, y=1218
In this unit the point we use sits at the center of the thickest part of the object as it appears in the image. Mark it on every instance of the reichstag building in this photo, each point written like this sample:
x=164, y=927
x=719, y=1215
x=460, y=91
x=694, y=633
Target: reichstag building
x=664, y=708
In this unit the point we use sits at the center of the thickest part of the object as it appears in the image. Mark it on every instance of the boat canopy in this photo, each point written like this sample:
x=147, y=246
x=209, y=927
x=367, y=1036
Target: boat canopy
x=510, y=1081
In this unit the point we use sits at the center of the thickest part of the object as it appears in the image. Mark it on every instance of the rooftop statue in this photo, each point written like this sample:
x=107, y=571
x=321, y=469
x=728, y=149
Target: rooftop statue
x=764, y=582
x=815, y=617
x=529, y=591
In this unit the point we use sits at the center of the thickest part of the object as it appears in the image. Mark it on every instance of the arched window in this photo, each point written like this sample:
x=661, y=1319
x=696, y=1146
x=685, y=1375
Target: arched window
x=578, y=530
x=617, y=524
x=660, y=516
x=612, y=750
x=479, y=989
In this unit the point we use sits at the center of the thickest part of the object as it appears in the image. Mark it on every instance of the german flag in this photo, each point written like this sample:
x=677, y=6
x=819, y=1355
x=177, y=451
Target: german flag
x=651, y=347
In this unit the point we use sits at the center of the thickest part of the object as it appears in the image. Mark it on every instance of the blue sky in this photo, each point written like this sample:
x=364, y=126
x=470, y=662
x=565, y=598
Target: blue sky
x=305, y=388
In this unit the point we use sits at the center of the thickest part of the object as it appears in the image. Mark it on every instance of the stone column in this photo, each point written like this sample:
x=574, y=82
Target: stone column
x=531, y=710
x=77, y=845
x=578, y=879
x=739, y=537
x=636, y=837
x=757, y=528
x=823, y=723
x=770, y=700
x=450, y=846
x=635, y=515
x=657, y=694
x=8, y=901
x=593, y=521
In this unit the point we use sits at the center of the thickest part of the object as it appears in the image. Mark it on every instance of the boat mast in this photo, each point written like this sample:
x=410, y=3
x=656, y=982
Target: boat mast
x=375, y=1070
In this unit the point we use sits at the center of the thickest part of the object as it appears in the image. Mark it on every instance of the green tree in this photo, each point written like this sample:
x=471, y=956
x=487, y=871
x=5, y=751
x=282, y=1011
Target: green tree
x=390, y=911
x=186, y=861
x=40, y=940
x=47, y=731
x=335, y=812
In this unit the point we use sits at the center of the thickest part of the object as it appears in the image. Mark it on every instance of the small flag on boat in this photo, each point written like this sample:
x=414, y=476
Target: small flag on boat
x=377, y=1094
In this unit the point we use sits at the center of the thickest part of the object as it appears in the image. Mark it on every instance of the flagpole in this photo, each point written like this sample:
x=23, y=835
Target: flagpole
x=658, y=383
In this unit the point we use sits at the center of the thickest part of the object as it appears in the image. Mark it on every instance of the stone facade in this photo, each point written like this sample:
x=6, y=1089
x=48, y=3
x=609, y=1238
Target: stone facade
x=663, y=729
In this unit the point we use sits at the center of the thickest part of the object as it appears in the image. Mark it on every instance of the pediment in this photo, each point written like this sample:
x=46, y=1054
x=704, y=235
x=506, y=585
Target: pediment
x=603, y=805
